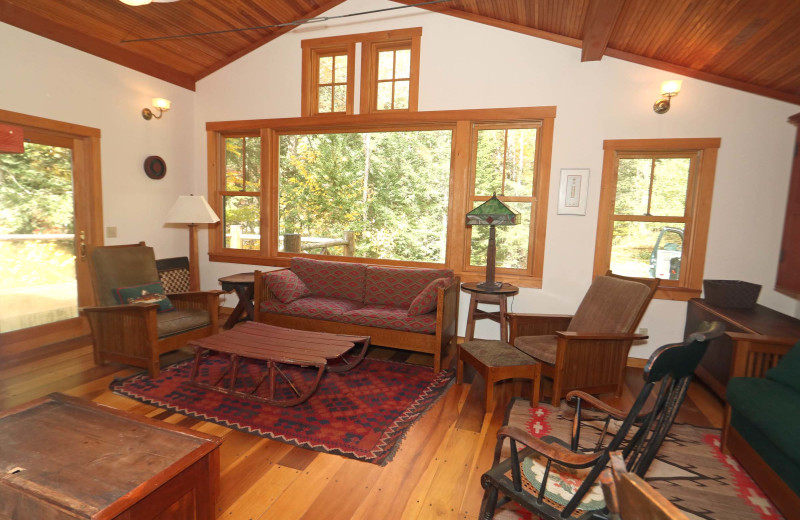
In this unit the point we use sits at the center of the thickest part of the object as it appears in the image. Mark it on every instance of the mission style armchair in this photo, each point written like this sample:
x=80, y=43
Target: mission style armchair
x=587, y=351
x=137, y=334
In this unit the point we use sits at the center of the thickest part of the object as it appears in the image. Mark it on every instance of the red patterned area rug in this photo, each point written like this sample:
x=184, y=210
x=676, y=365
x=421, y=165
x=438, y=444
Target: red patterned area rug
x=362, y=414
x=689, y=470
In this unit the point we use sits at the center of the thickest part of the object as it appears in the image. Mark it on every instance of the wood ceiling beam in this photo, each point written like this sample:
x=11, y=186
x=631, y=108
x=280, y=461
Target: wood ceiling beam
x=31, y=22
x=255, y=45
x=601, y=17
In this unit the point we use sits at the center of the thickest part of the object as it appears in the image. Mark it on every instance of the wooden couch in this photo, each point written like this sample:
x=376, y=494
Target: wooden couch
x=367, y=300
x=762, y=415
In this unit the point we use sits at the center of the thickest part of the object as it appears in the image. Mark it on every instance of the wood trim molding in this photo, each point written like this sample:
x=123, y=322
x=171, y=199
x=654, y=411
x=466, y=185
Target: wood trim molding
x=598, y=25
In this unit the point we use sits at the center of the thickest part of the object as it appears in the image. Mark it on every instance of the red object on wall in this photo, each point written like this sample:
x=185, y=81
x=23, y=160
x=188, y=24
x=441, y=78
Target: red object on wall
x=11, y=139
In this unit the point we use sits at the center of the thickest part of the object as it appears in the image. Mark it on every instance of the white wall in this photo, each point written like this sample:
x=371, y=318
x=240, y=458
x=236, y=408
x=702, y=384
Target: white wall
x=463, y=65
x=46, y=79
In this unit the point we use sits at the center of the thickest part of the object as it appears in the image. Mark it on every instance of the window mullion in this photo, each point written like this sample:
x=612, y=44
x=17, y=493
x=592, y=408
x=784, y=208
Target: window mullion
x=650, y=189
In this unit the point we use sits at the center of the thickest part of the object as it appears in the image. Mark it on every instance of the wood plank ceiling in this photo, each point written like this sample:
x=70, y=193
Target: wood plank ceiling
x=752, y=45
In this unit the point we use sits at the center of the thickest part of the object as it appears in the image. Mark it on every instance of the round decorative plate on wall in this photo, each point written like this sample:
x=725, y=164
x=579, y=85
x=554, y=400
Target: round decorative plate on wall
x=155, y=167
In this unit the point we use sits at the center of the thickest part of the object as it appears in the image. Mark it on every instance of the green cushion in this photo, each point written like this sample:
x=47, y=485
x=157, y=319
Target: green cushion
x=787, y=370
x=767, y=415
x=146, y=293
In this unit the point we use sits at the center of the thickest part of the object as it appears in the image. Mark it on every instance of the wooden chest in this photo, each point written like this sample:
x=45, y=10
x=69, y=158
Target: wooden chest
x=66, y=458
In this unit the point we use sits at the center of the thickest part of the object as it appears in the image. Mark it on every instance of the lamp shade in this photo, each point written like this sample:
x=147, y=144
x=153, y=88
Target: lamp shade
x=492, y=213
x=191, y=209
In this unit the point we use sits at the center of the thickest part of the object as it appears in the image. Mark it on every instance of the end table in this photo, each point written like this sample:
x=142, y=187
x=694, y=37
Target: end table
x=496, y=297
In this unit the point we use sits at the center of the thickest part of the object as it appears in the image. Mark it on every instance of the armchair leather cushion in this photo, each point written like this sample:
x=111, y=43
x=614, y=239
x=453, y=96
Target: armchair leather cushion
x=146, y=293
x=543, y=348
x=610, y=305
x=181, y=320
x=286, y=286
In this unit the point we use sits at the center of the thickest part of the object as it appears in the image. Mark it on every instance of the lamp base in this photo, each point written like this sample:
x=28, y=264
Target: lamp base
x=490, y=286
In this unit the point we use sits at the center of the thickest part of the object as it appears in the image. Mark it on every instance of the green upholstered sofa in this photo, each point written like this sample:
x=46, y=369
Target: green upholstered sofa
x=762, y=419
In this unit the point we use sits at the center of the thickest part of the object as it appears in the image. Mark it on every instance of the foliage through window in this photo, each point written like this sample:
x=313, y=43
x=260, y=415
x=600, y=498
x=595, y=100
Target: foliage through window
x=394, y=78
x=652, y=223
x=242, y=193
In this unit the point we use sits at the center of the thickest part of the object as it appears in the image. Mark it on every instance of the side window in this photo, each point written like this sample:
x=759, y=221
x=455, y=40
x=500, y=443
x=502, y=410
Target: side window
x=654, y=209
x=328, y=79
x=241, y=197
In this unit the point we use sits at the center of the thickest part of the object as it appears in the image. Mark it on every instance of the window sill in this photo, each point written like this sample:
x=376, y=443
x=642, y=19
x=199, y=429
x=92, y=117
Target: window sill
x=676, y=293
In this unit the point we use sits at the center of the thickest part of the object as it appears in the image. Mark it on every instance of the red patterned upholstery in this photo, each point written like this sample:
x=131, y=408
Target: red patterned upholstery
x=286, y=286
x=425, y=301
x=331, y=309
x=388, y=317
x=398, y=286
x=331, y=279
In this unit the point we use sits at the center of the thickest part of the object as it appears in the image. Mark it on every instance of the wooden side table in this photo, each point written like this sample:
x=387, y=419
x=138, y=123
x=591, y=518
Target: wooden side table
x=244, y=285
x=497, y=297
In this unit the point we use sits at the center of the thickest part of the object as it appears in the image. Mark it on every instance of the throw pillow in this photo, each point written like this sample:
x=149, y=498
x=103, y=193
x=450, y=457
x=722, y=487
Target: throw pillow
x=145, y=293
x=286, y=286
x=788, y=367
x=425, y=301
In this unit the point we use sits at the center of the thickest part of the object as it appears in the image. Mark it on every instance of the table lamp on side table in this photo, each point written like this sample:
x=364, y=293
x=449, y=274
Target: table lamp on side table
x=192, y=210
x=491, y=213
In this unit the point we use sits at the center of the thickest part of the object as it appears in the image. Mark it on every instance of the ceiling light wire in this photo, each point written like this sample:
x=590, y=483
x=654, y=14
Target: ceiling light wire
x=296, y=22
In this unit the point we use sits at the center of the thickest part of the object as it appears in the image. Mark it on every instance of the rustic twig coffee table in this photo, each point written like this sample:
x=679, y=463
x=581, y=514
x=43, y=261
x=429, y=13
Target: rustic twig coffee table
x=277, y=346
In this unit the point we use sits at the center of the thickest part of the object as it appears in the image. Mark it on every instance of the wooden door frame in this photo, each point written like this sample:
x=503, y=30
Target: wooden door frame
x=88, y=196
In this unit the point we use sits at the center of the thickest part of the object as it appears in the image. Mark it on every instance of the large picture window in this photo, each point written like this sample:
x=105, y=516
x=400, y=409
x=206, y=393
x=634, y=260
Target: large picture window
x=394, y=193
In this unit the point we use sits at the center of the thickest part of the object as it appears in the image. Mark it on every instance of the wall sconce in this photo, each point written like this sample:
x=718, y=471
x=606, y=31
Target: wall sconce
x=161, y=104
x=669, y=89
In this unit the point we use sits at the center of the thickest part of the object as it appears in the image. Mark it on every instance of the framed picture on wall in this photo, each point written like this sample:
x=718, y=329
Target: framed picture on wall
x=572, y=191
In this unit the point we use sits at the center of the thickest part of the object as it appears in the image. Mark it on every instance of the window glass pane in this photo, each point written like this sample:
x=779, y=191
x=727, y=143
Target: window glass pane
x=670, y=184
x=234, y=155
x=341, y=69
x=647, y=249
x=326, y=70
x=489, y=164
x=241, y=217
x=402, y=67
x=324, y=102
x=520, y=154
x=385, y=95
x=340, y=98
x=367, y=195
x=253, y=163
x=633, y=186
x=386, y=65
x=511, y=241
x=401, y=94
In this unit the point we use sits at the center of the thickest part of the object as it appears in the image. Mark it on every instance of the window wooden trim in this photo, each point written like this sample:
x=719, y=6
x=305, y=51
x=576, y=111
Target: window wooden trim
x=313, y=50
x=698, y=208
x=391, y=40
x=460, y=121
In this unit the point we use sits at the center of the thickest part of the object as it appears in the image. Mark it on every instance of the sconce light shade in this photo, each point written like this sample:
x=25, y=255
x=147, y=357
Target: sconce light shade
x=191, y=209
x=136, y=2
x=161, y=104
x=669, y=89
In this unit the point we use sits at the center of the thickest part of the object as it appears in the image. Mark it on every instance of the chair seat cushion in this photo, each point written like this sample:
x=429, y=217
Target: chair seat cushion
x=543, y=348
x=181, y=320
x=562, y=483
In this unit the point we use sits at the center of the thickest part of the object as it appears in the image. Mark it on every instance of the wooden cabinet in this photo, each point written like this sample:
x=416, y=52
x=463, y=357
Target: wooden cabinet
x=788, y=279
x=715, y=367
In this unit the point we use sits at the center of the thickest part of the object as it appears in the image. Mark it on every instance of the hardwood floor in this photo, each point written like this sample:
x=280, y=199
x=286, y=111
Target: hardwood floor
x=435, y=473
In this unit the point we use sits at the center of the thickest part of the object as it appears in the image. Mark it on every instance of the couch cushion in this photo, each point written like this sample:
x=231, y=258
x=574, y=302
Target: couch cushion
x=425, y=301
x=331, y=309
x=181, y=320
x=398, y=286
x=286, y=286
x=767, y=415
x=331, y=279
x=610, y=305
x=389, y=317
x=542, y=348
x=787, y=371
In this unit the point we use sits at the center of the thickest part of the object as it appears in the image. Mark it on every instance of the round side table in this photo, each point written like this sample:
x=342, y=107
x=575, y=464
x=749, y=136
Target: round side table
x=496, y=297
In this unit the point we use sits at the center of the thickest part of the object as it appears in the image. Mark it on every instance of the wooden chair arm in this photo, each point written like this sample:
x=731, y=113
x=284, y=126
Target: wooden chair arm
x=554, y=452
x=754, y=354
x=597, y=404
x=599, y=335
x=133, y=309
x=535, y=324
x=202, y=300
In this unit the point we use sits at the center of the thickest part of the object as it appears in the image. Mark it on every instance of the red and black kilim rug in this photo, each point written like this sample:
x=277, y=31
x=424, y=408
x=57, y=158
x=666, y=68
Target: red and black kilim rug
x=362, y=414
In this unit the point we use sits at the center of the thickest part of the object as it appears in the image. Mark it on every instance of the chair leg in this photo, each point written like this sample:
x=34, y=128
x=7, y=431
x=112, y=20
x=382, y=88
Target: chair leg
x=488, y=504
x=459, y=367
x=555, y=399
x=489, y=399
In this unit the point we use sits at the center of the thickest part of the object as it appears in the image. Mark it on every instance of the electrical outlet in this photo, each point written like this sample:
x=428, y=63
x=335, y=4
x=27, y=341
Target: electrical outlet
x=111, y=232
x=642, y=331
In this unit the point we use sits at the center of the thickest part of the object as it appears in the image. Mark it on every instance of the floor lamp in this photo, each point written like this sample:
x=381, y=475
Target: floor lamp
x=192, y=210
x=491, y=213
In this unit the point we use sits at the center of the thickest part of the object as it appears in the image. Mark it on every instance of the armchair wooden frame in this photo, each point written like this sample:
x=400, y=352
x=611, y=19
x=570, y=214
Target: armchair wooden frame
x=589, y=361
x=753, y=355
x=129, y=333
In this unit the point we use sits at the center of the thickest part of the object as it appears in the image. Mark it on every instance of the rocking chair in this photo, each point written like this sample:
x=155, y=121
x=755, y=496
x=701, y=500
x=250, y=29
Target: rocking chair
x=572, y=474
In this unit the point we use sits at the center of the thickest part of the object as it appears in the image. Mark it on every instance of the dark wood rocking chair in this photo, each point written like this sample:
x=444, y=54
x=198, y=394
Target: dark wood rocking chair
x=573, y=475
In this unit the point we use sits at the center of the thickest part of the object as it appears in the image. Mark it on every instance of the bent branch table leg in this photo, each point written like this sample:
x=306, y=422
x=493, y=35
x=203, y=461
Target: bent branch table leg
x=277, y=346
x=244, y=285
